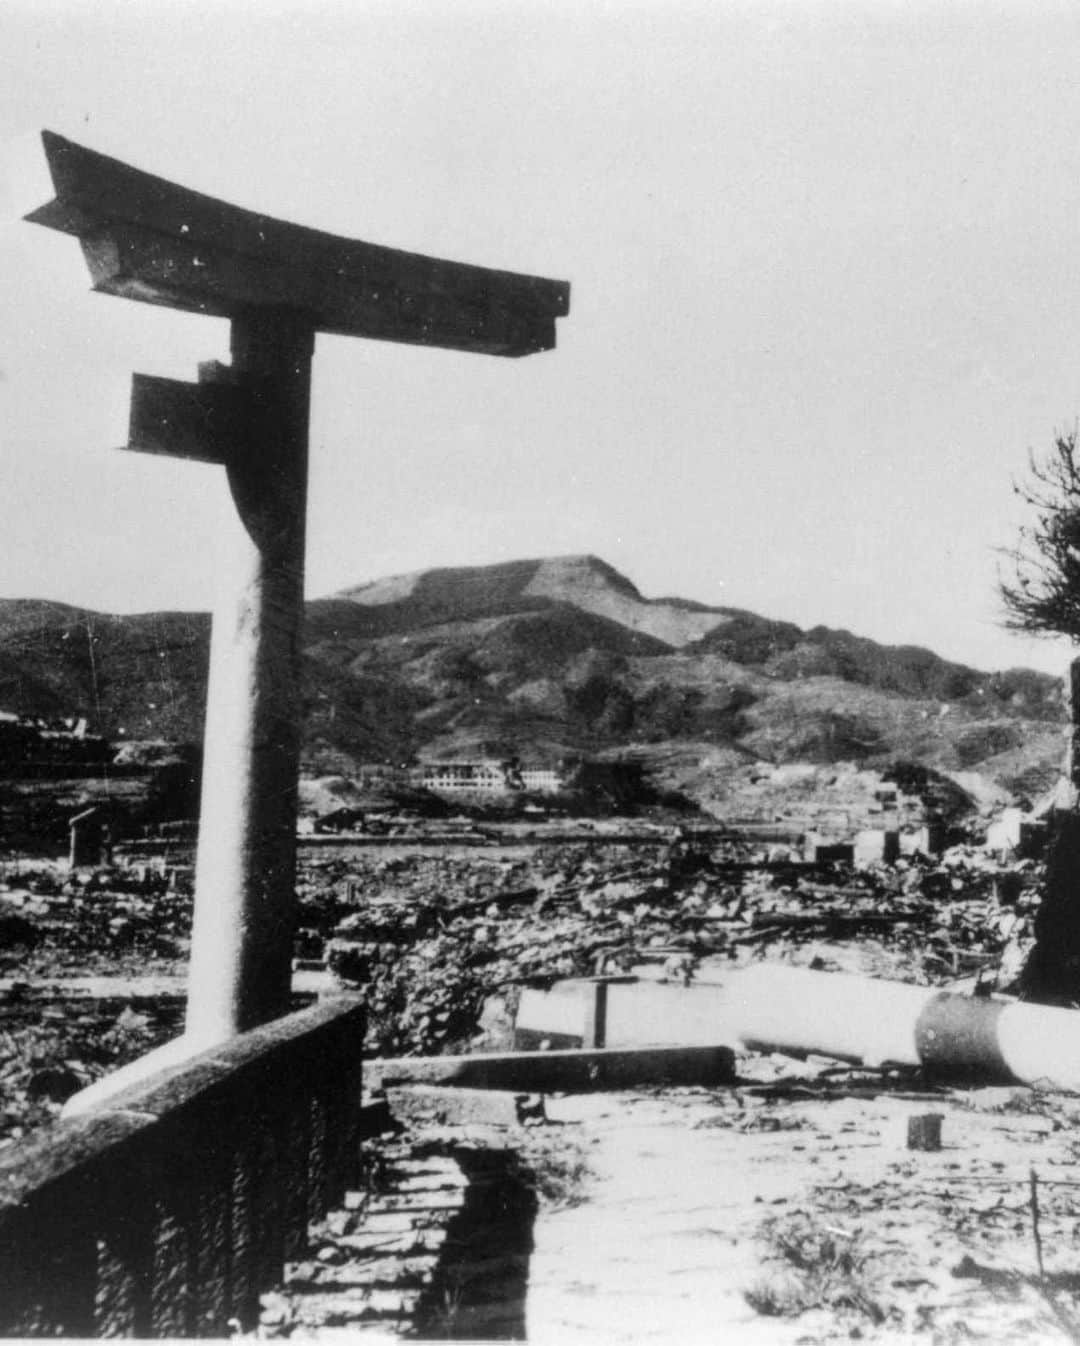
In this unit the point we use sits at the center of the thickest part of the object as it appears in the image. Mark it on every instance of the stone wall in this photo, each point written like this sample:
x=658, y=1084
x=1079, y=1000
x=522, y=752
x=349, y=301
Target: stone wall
x=168, y=1210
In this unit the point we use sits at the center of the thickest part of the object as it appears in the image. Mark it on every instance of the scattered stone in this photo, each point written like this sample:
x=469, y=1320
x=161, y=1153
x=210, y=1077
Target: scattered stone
x=56, y=1083
x=16, y=931
x=131, y=1021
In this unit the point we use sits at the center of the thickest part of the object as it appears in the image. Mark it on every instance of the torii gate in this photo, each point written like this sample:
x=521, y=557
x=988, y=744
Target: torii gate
x=278, y=284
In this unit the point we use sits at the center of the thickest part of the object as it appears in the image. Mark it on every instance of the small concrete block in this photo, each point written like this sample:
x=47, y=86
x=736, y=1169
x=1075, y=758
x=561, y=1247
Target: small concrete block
x=389, y=1222
x=877, y=846
x=447, y=1105
x=402, y=1272
x=394, y=1302
x=432, y=1182
x=924, y=1131
x=450, y=1198
x=830, y=853
x=405, y=1243
x=338, y=1222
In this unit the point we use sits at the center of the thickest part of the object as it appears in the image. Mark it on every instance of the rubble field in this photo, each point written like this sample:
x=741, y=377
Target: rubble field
x=871, y=1239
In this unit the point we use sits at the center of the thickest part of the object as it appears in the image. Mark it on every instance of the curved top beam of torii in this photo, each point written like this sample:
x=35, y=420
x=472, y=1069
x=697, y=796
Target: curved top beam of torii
x=146, y=238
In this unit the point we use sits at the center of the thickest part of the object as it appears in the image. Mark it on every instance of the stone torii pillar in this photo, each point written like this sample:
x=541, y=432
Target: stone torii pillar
x=278, y=284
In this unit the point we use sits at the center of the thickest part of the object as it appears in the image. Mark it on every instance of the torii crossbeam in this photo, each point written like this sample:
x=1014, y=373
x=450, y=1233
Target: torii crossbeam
x=278, y=284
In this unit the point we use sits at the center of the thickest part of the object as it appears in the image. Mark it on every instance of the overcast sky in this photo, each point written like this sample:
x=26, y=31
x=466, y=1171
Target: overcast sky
x=825, y=269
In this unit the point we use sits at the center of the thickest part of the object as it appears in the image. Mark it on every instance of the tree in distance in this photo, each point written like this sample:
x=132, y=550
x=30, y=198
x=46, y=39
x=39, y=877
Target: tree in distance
x=1043, y=596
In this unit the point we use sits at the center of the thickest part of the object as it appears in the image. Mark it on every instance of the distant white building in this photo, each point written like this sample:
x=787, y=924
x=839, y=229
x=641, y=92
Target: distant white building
x=541, y=780
x=488, y=776
x=484, y=777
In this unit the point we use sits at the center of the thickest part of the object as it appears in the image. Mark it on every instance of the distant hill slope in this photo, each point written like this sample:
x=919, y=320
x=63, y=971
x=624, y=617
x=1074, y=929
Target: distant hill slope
x=546, y=658
x=582, y=582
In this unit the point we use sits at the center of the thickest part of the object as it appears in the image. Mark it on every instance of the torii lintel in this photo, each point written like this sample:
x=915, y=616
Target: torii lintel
x=149, y=239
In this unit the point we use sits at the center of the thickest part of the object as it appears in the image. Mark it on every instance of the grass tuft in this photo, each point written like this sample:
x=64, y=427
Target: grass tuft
x=818, y=1268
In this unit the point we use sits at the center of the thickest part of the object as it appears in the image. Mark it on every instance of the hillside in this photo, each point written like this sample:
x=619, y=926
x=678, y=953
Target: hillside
x=137, y=677
x=545, y=658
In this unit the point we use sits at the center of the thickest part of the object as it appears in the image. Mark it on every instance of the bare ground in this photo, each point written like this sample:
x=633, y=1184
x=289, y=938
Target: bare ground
x=791, y=1210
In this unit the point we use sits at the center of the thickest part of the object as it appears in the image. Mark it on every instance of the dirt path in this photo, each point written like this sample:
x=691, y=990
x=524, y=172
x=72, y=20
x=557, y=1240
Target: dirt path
x=869, y=1239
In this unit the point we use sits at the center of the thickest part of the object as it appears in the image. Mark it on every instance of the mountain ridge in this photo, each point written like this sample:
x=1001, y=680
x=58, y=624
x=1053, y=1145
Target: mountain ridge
x=582, y=580
x=543, y=658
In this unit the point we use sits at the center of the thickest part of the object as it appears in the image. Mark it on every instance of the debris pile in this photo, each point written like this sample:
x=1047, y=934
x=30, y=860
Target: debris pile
x=110, y=926
x=442, y=942
x=431, y=939
x=52, y=1045
x=86, y=921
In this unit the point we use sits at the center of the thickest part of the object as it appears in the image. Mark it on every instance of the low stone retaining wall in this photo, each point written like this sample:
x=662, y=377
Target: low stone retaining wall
x=169, y=1210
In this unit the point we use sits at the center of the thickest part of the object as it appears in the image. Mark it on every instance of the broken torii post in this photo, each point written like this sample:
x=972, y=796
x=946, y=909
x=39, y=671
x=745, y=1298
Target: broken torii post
x=278, y=284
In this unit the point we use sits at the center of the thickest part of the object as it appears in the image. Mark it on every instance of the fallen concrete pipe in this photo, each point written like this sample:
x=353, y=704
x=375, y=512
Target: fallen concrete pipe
x=795, y=1010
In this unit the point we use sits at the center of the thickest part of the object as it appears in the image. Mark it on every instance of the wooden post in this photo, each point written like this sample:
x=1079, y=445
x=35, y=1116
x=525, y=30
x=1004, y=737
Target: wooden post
x=595, y=1030
x=245, y=871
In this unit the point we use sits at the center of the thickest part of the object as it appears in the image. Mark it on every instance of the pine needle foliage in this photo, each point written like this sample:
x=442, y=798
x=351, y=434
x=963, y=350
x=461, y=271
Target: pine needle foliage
x=1042, y=595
